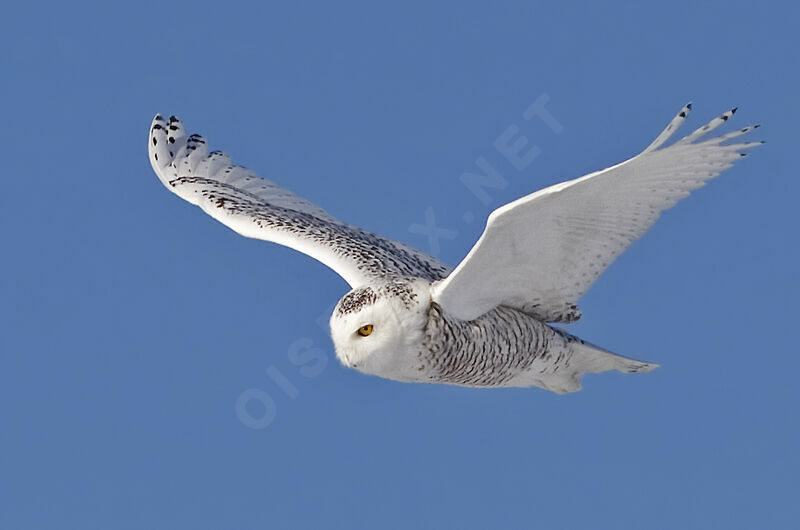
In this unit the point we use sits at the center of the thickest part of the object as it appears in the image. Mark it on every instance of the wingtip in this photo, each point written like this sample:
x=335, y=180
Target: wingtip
x=157, y=123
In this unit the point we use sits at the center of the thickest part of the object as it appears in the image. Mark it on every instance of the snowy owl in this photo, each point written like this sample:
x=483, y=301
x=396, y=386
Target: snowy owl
x=485, y=323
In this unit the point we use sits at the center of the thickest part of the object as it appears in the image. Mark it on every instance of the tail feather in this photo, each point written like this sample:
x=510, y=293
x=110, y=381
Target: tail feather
x=588, y=358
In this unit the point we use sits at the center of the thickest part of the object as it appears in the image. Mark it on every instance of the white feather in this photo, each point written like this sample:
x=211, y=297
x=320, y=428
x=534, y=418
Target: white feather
x=540, y=253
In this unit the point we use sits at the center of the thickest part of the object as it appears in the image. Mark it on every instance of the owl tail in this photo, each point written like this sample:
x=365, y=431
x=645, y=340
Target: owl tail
x=586, y=358
x=592, y=359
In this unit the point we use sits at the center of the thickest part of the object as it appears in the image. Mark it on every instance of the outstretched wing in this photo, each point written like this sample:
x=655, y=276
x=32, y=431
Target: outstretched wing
x=540, y=253
x=258, y=208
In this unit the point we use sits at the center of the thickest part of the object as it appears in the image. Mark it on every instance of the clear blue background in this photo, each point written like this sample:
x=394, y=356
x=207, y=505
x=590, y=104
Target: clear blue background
x=132, y=323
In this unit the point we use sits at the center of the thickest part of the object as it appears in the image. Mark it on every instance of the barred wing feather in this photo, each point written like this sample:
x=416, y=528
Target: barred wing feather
x=258, y=208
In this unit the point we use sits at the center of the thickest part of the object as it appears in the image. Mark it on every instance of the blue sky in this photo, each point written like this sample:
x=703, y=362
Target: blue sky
x=132, y=324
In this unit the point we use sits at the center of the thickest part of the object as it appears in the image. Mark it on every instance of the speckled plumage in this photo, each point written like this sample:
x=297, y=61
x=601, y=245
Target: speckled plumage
x=484, y=324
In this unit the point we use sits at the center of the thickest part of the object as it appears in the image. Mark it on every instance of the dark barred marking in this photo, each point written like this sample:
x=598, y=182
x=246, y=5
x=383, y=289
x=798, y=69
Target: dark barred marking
x=355, y=300
x=401, y=290
x=492, y=349
x=361, y=297
x=371, y=254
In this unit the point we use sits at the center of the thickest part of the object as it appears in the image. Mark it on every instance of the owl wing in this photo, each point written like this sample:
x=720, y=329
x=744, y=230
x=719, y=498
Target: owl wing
x=255, y=207
x=540, y=253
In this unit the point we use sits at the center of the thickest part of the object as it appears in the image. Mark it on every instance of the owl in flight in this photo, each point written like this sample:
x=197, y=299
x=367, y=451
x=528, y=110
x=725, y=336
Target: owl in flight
x=485, y=323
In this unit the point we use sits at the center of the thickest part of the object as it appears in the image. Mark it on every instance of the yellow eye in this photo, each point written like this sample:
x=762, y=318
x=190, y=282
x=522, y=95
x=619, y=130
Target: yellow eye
x=365, y=330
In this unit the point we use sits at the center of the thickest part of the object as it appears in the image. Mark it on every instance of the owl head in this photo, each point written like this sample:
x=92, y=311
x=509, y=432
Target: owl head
x=378, y=329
